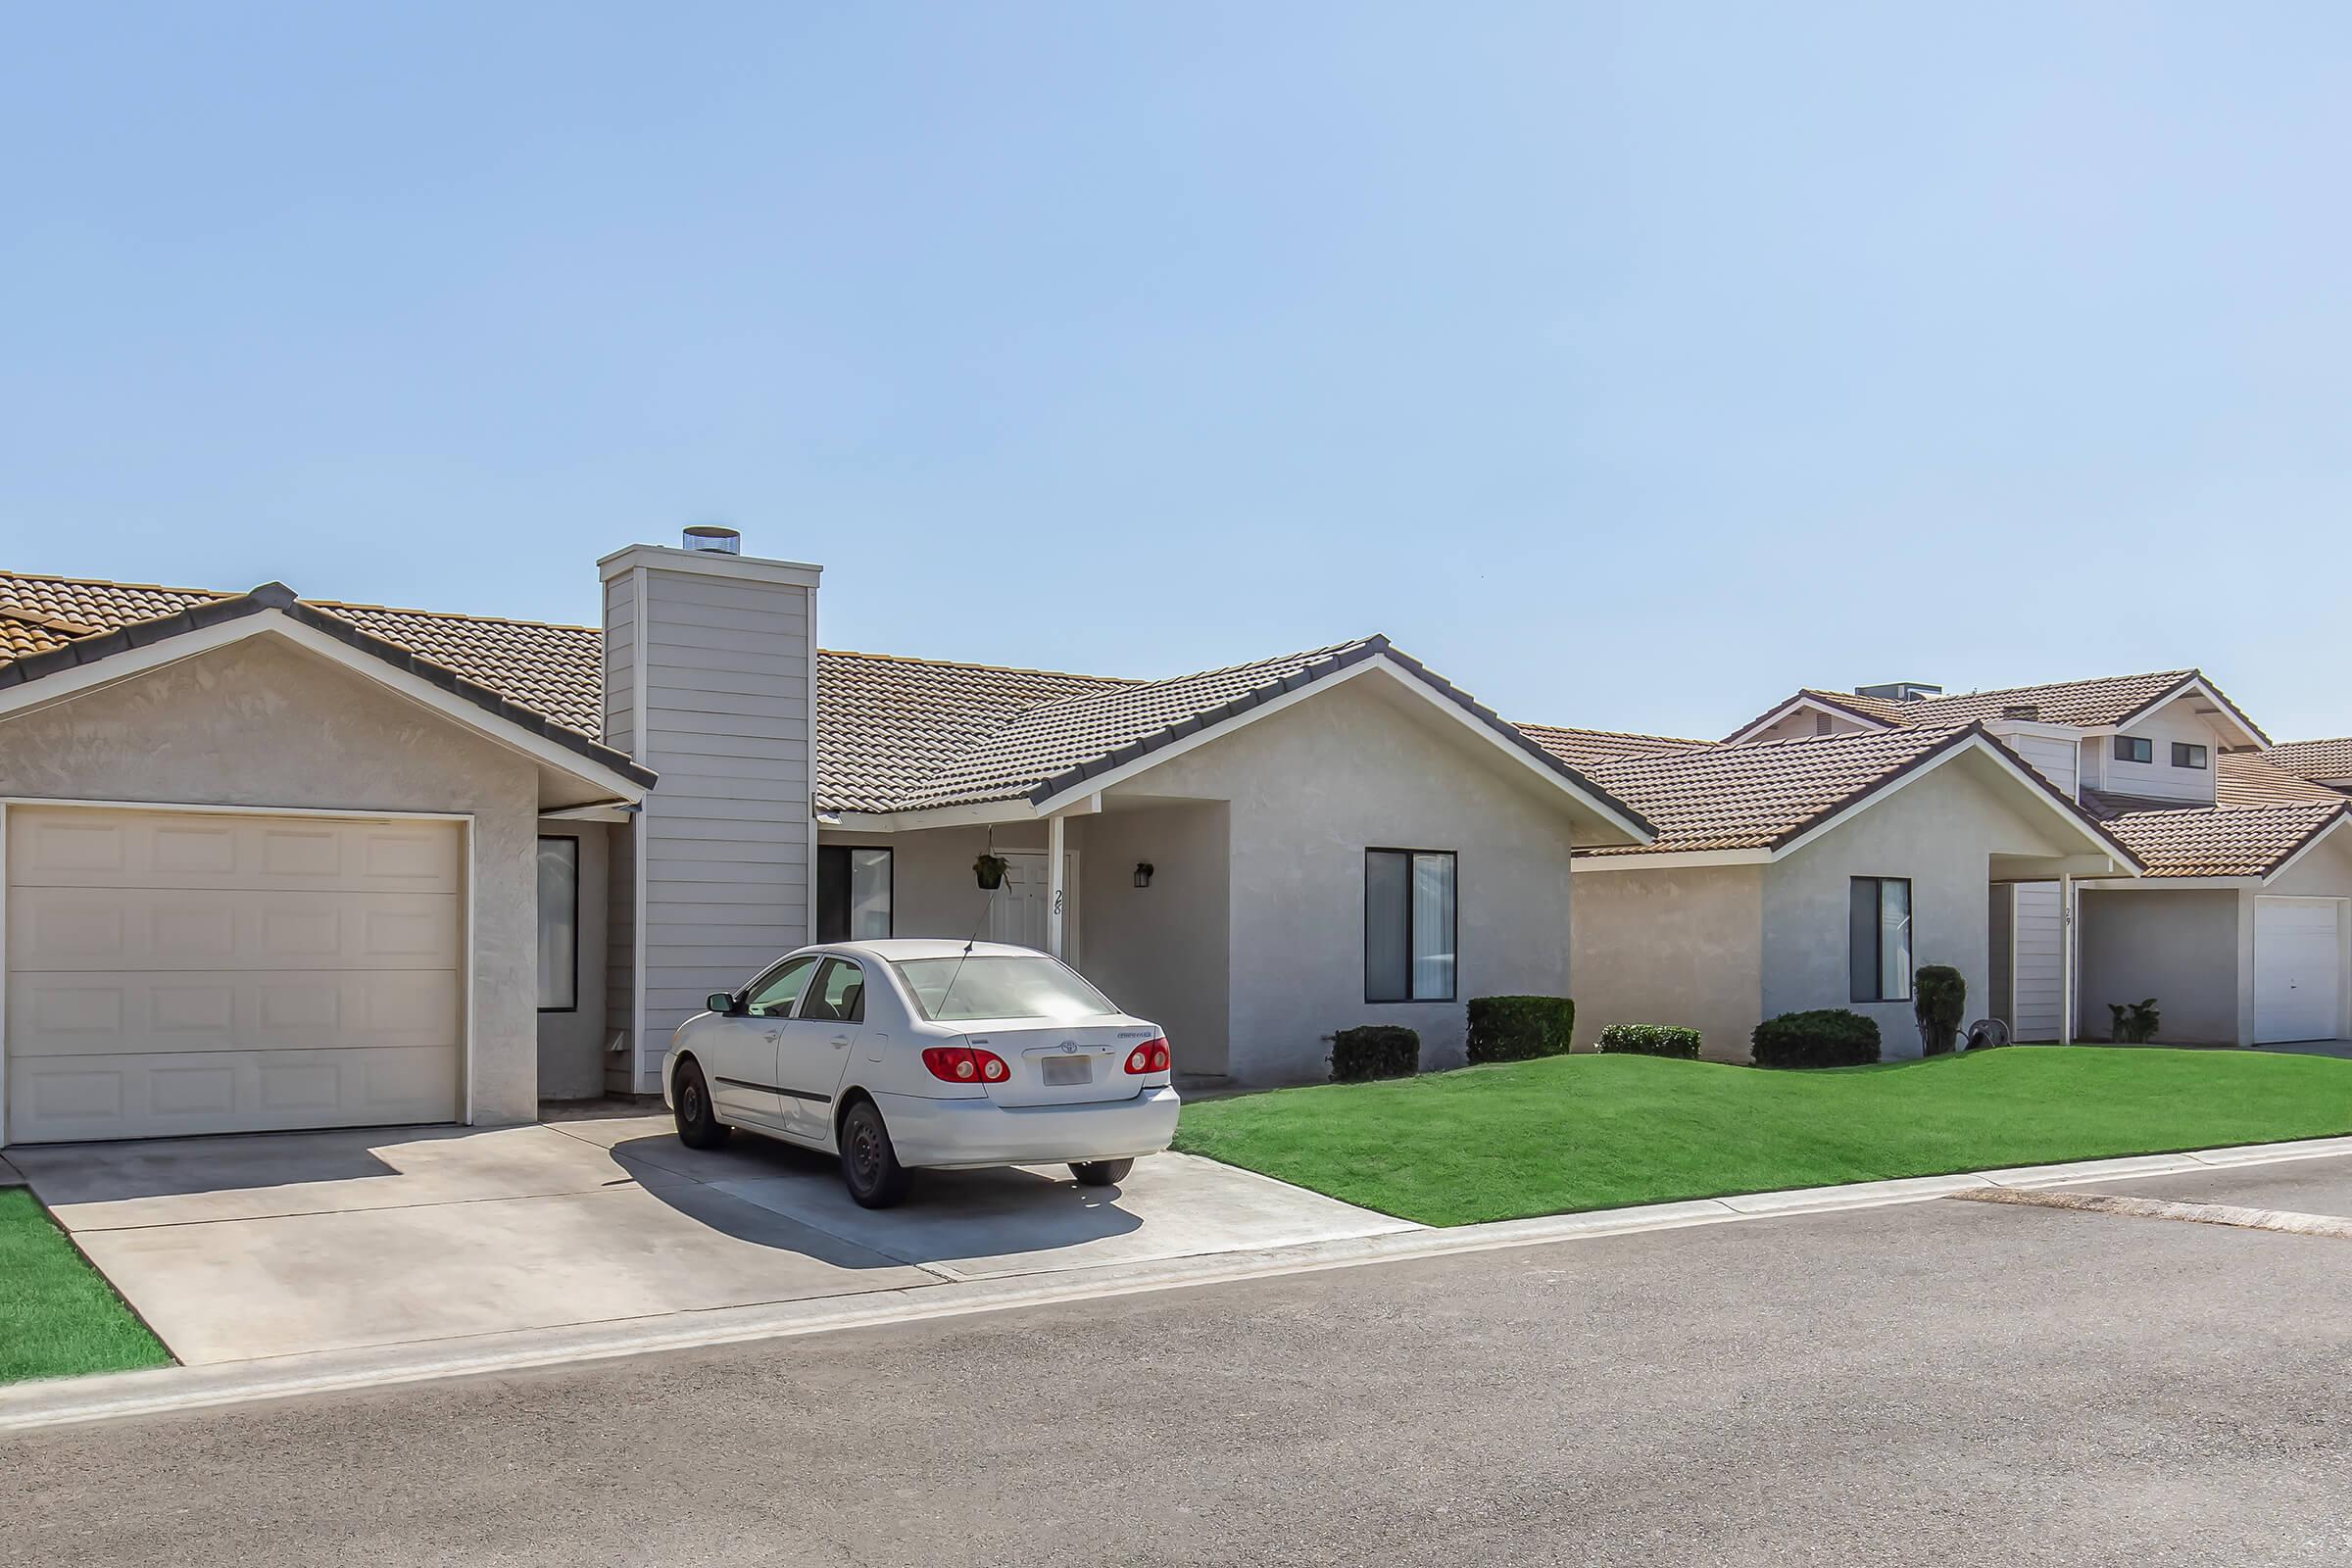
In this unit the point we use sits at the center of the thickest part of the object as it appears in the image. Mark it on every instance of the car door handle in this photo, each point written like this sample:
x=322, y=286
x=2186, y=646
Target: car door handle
x=774, y=1035
x=841, y=1042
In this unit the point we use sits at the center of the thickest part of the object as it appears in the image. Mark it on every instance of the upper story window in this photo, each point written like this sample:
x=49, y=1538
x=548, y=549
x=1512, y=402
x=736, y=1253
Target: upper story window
x=2187, y=755
x=2134, y=749
x=1409, y=925
x=1880, y=936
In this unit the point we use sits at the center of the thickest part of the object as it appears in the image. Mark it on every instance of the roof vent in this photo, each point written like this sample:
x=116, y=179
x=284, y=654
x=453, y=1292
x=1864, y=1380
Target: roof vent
x=715, y=538
x=2029, y=713
x=1901, y=691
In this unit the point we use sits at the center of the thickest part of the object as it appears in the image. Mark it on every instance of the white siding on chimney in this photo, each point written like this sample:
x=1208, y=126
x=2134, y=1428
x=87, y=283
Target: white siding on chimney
x=2054, y=759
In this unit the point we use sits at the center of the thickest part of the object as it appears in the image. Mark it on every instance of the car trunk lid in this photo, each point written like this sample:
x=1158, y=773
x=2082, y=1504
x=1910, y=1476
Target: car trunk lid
x=1063, y=1063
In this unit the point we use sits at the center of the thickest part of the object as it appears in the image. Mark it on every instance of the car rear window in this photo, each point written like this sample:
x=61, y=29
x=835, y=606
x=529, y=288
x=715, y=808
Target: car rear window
x=958, y=990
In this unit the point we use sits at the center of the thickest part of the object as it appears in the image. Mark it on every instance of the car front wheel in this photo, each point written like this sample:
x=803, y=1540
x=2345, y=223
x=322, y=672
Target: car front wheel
x=699, y=1127
x=869, y=1164
x=1101, y=1172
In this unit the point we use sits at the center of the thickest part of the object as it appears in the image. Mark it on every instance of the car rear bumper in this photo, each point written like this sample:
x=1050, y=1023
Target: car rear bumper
x=946, y=1134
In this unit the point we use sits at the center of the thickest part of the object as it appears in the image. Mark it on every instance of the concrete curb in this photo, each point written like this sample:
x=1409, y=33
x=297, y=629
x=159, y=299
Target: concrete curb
x=116, y=1395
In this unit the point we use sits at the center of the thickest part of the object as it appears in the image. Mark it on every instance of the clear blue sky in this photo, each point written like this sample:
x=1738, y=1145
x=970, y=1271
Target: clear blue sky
x=1631, y=365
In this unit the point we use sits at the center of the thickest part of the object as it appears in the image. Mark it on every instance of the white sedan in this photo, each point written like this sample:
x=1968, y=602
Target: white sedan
x=900, y=1054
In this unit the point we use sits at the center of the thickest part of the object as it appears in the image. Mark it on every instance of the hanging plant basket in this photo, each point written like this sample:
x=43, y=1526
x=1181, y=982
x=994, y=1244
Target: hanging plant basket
x=990, y=869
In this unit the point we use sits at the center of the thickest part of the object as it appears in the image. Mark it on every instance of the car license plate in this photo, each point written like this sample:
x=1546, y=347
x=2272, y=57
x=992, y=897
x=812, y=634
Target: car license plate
x=1068, y=1070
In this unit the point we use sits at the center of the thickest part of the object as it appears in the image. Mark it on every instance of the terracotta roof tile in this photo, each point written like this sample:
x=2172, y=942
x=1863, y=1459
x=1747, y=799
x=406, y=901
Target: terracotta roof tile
x=2223, y=841
x=556, y=669
x=1587, y=748
x=2332, y=758
x=2250, y=780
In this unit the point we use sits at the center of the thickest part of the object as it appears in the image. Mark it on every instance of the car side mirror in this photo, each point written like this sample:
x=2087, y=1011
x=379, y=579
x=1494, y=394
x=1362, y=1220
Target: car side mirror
x=720, y=1002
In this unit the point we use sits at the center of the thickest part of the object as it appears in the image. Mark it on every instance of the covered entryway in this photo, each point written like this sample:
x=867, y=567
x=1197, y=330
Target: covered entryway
x=172, y=971
x=2298, y=970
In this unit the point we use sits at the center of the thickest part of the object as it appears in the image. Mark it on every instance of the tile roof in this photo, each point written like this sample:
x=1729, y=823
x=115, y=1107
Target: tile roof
x=2250, y=780
x=1586, y=748
x=2090, y=703
x=2223, y=841
x=2331, y=758
x=560, y=670
x=38, y=615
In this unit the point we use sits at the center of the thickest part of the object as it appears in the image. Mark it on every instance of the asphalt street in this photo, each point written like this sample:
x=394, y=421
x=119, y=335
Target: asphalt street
x=1934, y=1384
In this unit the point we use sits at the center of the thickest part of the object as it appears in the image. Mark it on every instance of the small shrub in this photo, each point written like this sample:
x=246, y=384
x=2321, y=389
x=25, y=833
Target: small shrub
x=1374, y=1051
x=1520, y=1028
x=2136, y=1023
x=1939, y=1001
x=1649, y=1039
x=1829, y=1036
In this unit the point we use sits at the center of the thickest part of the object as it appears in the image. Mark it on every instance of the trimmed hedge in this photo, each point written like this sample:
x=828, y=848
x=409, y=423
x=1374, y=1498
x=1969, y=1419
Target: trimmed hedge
x=1649, y=1039
x=1939, y=1001
x=1827, y=1037
x=1374, y=1051
x=1520, y=1028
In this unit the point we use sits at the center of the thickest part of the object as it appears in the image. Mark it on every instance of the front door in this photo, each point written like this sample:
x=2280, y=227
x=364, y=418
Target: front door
x=1018, y=912
x=817, y=1045
x=743, y=1047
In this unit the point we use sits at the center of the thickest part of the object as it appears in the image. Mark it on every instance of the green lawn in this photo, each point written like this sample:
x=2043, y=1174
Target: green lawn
x=58, y=1316
x=1583, y=1132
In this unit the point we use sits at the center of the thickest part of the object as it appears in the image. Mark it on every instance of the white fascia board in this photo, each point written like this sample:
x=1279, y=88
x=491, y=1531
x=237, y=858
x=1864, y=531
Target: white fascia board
x=65, y=684
x=1974, y=744
x=2005, y=727
x=2309, y=845
x=1668, y=858
x=2165, y=884
x=588, y=814
x=709, y=563
x=1799, y=704
x=979, y=813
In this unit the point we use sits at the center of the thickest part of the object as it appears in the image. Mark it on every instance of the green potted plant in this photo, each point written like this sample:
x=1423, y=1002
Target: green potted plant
x=990, y=869
x=1940, y=1001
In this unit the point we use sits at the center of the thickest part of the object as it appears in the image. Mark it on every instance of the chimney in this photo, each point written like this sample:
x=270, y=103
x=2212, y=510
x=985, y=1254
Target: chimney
x=1901, y=691
x=711, y=681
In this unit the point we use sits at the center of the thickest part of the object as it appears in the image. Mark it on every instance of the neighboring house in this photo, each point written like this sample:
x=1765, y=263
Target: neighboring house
x=273, y=863
x=1816, y=871
x=2241, y=924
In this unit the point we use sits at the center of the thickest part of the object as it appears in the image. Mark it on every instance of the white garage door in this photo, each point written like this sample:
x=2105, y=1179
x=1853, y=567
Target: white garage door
x=2298, y=970
x=201, y=972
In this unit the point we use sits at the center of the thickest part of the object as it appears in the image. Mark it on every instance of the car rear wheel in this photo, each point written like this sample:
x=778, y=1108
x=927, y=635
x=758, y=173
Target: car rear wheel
x=869, y=1164
x=1101, y=1172
x=699, y=1127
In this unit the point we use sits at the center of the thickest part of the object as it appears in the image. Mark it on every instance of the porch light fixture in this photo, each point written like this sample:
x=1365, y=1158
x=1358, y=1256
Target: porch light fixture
x=1142, y=873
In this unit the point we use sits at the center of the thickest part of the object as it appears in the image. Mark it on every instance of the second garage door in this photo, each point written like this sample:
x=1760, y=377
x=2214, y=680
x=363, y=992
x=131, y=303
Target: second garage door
x=175, y=972
x=2298, y=970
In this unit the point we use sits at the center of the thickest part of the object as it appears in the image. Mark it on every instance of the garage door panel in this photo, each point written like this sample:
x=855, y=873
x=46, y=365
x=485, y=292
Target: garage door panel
x=174, y=972
x=165, y=1094
x=78, y=1015
x=66, y=929
x=63, y=847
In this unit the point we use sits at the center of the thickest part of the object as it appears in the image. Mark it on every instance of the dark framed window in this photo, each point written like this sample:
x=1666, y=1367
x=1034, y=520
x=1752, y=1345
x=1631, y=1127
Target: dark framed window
x=1879, y=933
x=558, y=925
x=836, y=994
x=772, y=994
x=2187, y=755
x=1410, y=922
x=2134, y=749
x=854, y=887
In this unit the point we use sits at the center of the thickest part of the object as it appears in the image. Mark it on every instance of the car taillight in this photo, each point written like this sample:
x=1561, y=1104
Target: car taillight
x=1149, y=1056
x=966, y=1064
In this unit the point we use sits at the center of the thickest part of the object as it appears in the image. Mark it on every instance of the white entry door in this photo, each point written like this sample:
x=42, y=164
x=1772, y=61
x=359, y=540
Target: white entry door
x=175, y=972
x=2298, y=970
x=1017, y=911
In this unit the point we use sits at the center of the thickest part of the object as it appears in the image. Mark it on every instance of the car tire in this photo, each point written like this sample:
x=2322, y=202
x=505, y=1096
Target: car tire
x=699, y=1126
x=869, y=1162
x=1101, y=1172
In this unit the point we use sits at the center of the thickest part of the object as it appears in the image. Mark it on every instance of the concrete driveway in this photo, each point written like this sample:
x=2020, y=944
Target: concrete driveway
x=235, y=1249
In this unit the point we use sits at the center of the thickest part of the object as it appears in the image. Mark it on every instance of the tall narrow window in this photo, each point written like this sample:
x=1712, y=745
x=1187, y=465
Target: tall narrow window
x=1879, y=935
x=1409, y=924
x=852, y=893
x=558, y=925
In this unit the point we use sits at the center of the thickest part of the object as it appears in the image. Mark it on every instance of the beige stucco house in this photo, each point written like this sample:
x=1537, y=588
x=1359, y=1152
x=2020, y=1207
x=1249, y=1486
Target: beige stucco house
x=273, y=863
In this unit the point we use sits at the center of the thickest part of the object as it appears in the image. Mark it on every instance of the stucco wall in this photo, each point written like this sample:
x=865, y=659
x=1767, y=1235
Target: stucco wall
x=1678, y=945
x=1941, y=831
x=1163, y=950
x=2177, y=946
x=264, y=724
x=572, y=1044
x=1365, y=764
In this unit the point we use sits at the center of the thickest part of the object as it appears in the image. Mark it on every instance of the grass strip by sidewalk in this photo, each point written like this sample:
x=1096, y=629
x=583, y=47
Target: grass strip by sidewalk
x=58, y=1316
x=1585, y=1132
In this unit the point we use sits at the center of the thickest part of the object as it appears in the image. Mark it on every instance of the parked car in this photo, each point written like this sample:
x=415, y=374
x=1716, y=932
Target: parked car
x=911, y=1055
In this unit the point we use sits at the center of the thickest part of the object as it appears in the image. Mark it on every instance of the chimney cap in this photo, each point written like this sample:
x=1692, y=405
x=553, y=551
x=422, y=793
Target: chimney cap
x=715, y=537
x=1901, y=691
